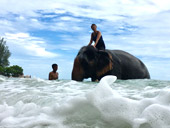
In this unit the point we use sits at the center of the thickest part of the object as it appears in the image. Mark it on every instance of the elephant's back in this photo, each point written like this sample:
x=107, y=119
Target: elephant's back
x=122, y=53
x=123, y=57
x=131, y=66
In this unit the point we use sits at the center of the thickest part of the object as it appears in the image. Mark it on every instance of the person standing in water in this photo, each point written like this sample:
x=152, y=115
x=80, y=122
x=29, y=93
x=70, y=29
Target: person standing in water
x=54, y=74
x=96, y=36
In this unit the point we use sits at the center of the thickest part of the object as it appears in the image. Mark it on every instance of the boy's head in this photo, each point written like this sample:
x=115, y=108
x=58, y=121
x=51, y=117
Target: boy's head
x=55, y=67
x=93, y=27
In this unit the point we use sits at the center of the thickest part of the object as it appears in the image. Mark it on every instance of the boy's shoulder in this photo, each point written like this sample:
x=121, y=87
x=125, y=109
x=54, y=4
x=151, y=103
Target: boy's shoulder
x=53, y=72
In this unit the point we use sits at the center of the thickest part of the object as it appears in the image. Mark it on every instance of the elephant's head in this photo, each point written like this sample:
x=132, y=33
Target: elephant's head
x=91, y=63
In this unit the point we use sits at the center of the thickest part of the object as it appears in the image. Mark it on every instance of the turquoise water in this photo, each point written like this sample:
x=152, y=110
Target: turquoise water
x=38, y=103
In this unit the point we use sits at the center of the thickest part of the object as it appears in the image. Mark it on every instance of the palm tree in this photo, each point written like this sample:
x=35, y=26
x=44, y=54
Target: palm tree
x=4, y=53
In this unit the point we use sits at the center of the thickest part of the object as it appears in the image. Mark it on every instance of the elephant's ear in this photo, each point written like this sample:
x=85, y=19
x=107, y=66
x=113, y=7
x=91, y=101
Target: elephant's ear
x=77, y=73
x=104, y=64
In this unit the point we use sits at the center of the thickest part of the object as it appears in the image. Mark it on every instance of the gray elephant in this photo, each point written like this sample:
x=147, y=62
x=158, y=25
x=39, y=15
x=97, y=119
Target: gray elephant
x=94, y=64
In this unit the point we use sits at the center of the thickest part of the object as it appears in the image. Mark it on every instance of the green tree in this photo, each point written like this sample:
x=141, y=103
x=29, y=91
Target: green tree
x=4, y=53
x=2, y=70
x=7, y=71
x=15, y=71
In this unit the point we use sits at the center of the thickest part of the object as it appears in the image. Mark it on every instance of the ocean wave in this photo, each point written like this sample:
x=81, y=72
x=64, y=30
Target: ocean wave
x=36, y=103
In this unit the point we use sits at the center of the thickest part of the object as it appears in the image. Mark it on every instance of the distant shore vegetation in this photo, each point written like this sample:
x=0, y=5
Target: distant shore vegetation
x=14, y=71
x=5, y=69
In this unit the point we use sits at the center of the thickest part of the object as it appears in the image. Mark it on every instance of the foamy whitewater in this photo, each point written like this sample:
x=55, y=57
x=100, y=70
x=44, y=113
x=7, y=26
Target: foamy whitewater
x=111, y=103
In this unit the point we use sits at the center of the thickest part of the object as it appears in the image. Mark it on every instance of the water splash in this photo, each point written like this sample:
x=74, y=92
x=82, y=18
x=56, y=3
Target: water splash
x=35, y=103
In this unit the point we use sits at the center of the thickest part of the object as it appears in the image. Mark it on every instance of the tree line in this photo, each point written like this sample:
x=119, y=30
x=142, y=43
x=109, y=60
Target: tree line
x=5, y=69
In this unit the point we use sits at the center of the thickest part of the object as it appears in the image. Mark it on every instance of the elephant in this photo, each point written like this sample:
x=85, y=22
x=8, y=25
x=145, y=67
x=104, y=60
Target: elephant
x=95, y=64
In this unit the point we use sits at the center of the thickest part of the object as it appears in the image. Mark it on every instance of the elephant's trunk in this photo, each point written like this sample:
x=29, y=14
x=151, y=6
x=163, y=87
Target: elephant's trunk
x=77, y=72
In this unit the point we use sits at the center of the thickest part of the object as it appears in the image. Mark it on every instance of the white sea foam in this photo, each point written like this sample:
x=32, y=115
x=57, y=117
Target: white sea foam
x=37, y=103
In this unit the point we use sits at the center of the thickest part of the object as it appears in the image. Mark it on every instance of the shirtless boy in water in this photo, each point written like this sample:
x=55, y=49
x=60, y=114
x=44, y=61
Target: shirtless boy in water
x=54, y=75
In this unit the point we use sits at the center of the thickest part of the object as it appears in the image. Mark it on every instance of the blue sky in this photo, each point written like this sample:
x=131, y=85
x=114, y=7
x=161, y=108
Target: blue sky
x=40, y=33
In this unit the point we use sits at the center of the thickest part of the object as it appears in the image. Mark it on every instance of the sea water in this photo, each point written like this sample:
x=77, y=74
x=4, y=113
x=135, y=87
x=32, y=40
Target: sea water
x=111, y=103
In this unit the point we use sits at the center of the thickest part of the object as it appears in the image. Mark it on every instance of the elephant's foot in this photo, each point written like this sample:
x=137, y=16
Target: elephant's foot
x=94, y=80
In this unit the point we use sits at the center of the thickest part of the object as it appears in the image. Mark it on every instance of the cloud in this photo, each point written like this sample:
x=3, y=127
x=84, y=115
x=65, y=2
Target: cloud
x=28, y=45
x=115, y=10
x=68, y=18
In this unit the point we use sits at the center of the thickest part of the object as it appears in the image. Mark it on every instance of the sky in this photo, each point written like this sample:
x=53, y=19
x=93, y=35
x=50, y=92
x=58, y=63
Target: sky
x=42, y=32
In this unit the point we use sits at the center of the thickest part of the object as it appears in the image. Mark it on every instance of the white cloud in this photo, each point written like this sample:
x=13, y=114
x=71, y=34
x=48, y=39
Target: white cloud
x=17, y=36
x=108, y=9
x=28, y=45
x=141, y=47
x=67, y=18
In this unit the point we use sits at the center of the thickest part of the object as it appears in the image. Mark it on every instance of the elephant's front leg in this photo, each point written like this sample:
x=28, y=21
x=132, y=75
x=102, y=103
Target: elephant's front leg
x=94, y=80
